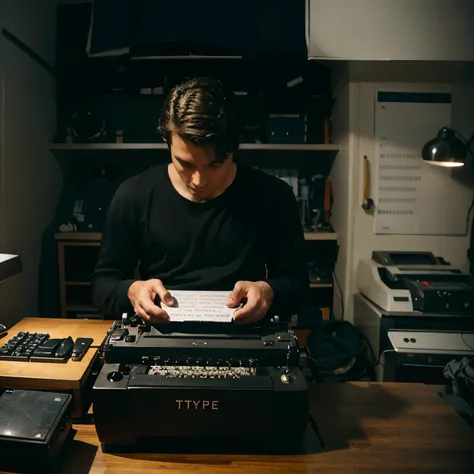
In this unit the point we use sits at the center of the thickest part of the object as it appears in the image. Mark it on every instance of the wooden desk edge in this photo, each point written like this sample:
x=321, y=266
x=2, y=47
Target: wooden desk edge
x=323, y=461
x=41, y=375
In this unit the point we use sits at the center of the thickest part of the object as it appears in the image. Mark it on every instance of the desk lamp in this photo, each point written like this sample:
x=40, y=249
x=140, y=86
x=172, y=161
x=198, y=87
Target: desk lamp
x=10, y=265
x=449, y=149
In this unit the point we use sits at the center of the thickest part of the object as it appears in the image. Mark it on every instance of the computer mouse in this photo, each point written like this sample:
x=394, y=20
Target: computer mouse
x=65, y=348
x=3, y=330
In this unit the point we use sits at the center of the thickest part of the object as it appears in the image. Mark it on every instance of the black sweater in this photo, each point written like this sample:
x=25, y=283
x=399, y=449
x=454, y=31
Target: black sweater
x=250, y=232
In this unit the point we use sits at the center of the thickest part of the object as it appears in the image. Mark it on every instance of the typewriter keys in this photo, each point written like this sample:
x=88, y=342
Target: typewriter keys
x=210, y=372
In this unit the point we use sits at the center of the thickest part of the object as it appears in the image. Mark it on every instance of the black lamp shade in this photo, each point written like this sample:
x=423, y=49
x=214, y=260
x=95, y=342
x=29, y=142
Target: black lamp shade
x=445, y=150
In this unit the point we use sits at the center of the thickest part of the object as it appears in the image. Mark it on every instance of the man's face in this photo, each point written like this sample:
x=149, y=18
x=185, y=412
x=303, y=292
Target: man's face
x=194, y=164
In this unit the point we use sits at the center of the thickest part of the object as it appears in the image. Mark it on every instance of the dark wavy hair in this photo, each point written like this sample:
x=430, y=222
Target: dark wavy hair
x=202, y=110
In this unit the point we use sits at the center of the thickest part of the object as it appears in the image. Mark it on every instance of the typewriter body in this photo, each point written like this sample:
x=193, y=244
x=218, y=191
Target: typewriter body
x=201, y=381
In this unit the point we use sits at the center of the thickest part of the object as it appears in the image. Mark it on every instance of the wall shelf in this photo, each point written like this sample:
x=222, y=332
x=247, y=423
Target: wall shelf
x=97, y=236
x=320, y=236
x=78, y=236
x=83, y=247
x=81, y=308
x=163, y=146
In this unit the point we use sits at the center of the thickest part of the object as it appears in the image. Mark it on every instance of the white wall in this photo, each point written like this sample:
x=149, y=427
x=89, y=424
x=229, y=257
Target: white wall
x=34, y=22
x=448, y=72
x=31, y=178
x=343, y=187
x=439, y=30
x=359, y=141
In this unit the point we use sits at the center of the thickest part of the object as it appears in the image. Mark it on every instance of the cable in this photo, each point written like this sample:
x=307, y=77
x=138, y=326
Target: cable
x=315, y=427
x=371, y=350
x=338, y=298
x=465, y=342
x=469, y=214
x=468, y=144
x=341, y=298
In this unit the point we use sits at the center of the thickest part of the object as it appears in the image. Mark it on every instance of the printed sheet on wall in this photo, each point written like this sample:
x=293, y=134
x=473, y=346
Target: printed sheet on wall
x=412, y=197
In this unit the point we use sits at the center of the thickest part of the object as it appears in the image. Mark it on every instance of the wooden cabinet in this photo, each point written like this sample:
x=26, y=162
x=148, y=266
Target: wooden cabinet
x=77, y=256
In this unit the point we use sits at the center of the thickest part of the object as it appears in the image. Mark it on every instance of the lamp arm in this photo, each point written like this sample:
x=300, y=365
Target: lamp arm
x=468, y=143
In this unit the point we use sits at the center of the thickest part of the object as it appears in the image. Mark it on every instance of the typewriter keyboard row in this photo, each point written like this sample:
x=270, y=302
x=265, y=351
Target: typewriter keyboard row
x=22, y=346
x=195, y=372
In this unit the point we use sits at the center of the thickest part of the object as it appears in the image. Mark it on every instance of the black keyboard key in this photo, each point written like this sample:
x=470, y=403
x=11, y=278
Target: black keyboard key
x=22, y=346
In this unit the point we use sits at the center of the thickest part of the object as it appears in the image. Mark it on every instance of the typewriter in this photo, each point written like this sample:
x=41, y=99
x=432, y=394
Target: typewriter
x=211, y=382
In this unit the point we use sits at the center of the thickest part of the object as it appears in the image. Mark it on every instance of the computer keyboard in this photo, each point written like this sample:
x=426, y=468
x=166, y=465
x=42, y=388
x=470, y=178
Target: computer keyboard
x=22, y=346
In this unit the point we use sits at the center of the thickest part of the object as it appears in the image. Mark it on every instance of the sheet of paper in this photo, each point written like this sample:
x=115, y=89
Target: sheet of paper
x=202, y=306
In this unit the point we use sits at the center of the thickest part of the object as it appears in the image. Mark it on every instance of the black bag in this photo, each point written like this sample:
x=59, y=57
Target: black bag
x=461, y=374
x=339, y=352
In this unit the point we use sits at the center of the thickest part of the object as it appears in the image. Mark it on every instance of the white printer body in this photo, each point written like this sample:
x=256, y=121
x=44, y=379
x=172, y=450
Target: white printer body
x=415, y=282
x=417, y=297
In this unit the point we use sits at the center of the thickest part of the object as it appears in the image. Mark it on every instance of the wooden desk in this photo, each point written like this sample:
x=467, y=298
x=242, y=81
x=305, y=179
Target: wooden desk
x=366, y=428
x=64, y=377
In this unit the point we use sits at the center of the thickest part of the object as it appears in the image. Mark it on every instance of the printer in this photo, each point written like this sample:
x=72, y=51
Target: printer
x=415, y=282
x=413, y=306
x=207, y=383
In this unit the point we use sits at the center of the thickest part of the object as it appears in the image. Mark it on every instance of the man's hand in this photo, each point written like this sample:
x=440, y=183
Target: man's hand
x=142, y=295
x=257, y=298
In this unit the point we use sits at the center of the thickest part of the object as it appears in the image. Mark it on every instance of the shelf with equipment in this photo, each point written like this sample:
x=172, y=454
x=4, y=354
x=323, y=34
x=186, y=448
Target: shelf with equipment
x=107, y=119
x=80, y=249
x=77, y=256
x=308, y=158
x=163, y=146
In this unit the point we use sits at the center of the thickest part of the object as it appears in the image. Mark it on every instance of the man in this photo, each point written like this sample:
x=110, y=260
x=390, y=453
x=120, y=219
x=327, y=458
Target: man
x=201, y=222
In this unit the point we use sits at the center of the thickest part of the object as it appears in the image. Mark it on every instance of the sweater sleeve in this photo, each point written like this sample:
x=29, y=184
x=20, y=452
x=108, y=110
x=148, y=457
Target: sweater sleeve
x=118, y=256
x=287, y=271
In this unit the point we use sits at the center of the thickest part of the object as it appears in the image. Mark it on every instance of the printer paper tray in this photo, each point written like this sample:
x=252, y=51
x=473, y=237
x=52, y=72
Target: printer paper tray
x=434, y=342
